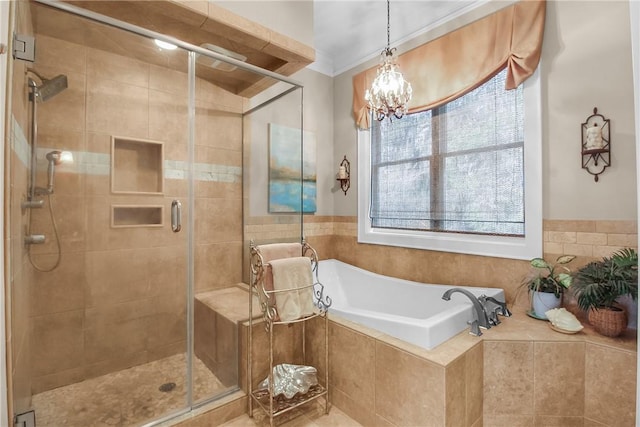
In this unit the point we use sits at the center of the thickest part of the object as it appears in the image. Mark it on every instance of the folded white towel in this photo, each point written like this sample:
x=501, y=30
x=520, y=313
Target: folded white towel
x=273, y=251
x=293, y=274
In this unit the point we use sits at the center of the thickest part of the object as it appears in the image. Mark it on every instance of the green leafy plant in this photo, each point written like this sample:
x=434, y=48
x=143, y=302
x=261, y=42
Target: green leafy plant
x=550, y=277
x=599, y=283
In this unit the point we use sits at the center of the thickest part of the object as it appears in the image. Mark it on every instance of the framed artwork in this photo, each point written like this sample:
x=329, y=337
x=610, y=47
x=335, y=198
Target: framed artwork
x=292, y=170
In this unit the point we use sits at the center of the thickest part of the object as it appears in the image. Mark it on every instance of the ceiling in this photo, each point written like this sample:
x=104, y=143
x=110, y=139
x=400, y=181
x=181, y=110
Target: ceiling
x=349, y=32
x=261, y=47
x=346, y=34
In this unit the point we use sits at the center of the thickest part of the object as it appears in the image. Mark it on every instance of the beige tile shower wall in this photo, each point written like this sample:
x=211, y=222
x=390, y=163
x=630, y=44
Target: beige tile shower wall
x=18, y=269
x=218, y=204
x=118, y=298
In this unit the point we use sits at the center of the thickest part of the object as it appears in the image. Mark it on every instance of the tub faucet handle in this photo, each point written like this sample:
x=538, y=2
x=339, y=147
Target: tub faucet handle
x=475, y=328
x=493, y=317
x=501, y=307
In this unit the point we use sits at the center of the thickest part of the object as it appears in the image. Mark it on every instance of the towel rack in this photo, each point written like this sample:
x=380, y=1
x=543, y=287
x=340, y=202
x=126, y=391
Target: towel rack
x=274, y=406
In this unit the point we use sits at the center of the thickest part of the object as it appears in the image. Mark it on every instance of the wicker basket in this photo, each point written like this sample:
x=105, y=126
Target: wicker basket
x=609, y=322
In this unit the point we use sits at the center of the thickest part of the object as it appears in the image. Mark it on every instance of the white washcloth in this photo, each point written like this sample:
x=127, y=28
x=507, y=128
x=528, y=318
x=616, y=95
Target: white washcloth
x=292, y=274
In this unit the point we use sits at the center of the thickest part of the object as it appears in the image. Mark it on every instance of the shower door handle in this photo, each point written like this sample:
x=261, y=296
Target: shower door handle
x=176, y=216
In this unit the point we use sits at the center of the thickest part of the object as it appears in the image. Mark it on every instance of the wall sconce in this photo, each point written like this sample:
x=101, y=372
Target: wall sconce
x=596, y=144
x=344, y=174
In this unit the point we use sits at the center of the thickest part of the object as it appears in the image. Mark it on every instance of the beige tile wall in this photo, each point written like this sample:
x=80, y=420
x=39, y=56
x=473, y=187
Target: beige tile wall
x=336, y=237
x=286, y=349
x=589, y=238
x=377, y=383
x=119, y=296
x=534, y=383
x=521, y=374
x=521, y=382
x=610, y=386
x=18, y=271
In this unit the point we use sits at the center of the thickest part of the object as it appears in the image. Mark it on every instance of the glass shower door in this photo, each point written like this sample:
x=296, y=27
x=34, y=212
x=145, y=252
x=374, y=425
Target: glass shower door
x=103, y=305
x=128, y=295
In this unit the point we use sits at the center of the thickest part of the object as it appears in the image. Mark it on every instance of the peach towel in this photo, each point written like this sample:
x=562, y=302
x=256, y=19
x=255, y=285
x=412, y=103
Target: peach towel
x=291, y=274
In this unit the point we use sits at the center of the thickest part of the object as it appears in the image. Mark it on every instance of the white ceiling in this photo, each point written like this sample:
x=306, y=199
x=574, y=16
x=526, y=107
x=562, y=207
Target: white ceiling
x=349, y=32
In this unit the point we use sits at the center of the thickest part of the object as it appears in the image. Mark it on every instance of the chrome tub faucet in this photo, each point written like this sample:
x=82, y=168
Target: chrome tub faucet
x=482, y=320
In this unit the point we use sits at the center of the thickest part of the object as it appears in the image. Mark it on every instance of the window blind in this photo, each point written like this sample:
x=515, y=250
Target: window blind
x=455, y=168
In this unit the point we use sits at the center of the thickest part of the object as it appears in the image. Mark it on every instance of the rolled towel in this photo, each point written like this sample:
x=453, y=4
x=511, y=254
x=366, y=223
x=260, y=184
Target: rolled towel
x=293, y=275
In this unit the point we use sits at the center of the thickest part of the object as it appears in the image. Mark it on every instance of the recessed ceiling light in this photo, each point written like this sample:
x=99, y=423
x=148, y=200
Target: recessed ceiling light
x=165, y=45
x=217, y=64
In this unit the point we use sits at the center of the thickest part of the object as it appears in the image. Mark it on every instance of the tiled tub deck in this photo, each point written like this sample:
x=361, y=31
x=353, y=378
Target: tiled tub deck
x=518, y=373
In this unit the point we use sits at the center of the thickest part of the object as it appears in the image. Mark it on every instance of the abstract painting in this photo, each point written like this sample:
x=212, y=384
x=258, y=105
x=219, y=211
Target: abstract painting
x=292, y=170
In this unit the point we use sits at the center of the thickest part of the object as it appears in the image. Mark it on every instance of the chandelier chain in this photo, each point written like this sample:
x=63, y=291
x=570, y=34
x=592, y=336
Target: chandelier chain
x=388, y=27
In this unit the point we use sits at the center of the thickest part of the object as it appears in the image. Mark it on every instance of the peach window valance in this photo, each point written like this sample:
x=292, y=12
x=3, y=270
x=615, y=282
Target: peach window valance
x=450, y=66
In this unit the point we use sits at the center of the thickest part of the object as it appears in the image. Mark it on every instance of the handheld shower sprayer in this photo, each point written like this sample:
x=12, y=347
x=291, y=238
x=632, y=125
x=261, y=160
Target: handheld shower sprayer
x=54, y=158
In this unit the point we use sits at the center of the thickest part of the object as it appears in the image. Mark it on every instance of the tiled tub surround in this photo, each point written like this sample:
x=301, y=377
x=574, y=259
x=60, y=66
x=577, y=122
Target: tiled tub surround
x=520, y=373
x=336, y=237
x=542, y=377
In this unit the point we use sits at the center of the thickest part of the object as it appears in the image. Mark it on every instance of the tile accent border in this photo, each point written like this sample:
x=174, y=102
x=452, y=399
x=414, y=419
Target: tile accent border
x=277, y=226
x=90, y=163
x=584, y=238
x=588, y=238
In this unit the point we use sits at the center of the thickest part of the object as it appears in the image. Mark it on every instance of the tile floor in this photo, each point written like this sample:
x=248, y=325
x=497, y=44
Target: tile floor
x=131, y=397
x=125, y=398
x=311, y=415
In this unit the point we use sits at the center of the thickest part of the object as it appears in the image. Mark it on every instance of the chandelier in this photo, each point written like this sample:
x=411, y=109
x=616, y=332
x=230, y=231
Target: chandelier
x=390, y=92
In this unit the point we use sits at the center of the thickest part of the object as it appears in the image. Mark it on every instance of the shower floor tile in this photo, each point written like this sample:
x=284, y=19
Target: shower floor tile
x=130, y=397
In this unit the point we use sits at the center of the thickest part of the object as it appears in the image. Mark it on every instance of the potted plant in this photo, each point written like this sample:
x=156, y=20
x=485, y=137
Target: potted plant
x=547, y=284
x=599, y=284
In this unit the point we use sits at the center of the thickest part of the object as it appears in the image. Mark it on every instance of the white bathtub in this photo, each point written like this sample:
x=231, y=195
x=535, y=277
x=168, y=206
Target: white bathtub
x=411, y=311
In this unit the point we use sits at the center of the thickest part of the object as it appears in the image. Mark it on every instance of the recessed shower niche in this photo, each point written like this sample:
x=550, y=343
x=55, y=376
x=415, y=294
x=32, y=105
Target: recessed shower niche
x=136, y=166
x=136, y=169
x=136, y=216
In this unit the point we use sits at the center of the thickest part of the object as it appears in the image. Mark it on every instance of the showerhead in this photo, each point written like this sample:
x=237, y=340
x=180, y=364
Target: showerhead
x=54, y=157
x=51, y=87
x=48, y=87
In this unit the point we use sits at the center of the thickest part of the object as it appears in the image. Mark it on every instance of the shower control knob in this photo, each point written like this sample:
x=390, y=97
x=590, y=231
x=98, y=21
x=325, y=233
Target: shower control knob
x=32, y=204
x=34, y=239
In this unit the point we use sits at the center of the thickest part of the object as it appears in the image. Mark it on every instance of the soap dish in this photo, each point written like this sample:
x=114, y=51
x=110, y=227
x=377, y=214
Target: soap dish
x=563, y=331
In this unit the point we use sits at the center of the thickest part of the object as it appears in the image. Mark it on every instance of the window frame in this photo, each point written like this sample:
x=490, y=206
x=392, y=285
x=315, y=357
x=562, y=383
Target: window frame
x=527, y=247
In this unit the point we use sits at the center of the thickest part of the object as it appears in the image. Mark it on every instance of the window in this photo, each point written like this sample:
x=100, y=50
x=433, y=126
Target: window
x=462, y=177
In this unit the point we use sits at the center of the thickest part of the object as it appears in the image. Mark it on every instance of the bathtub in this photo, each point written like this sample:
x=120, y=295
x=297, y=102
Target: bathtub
x=411, y=311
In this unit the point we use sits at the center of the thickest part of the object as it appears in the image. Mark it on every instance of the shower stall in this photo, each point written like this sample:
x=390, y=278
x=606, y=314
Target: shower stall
x=136, y=176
